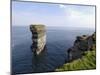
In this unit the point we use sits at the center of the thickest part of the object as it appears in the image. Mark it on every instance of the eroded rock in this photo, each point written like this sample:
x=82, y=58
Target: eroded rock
x=38, y=38
x=81, y=44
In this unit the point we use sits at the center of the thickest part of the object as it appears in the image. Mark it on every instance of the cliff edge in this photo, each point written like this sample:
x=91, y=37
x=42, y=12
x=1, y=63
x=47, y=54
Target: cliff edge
x=81, y=44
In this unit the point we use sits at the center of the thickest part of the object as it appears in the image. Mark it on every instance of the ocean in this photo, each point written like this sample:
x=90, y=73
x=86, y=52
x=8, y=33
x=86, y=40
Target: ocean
x=58, y=40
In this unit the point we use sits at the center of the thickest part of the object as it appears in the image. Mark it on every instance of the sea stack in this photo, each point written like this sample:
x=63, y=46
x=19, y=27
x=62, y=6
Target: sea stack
x=38, y=38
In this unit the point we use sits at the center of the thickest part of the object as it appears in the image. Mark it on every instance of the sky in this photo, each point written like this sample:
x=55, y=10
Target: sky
x=63, y=15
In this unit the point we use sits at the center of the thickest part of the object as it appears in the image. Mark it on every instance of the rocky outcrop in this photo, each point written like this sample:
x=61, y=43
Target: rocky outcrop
x=38, y=38
x=81, y=44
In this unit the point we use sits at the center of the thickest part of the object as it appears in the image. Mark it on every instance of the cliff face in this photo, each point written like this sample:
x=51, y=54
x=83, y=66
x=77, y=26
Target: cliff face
x=38, y=38
x=82, y=55
x=81, y=44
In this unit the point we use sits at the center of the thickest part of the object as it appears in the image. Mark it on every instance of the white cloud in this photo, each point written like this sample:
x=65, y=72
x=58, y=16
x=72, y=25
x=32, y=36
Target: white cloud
x=62, y=6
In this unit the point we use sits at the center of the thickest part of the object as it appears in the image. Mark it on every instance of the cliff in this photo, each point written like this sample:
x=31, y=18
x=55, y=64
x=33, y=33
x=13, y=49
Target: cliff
x=81, y=44
x=82, y=55
x=38, y=38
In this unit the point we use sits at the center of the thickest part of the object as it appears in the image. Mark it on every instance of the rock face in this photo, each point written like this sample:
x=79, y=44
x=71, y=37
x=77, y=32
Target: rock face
x=81, y=44
x=38, y=38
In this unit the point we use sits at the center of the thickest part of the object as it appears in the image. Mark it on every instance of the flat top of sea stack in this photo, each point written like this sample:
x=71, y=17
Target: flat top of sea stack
x=37, y=27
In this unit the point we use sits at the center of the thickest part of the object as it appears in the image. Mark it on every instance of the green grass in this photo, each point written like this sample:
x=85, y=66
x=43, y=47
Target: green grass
x=88, y=61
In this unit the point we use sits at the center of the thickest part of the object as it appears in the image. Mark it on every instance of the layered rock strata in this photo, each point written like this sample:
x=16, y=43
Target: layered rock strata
x=81, y=44
x=38, y=38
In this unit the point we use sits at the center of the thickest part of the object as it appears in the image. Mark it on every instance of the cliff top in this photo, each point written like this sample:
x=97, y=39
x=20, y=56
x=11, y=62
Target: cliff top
x=37, y=28
x=37, y=25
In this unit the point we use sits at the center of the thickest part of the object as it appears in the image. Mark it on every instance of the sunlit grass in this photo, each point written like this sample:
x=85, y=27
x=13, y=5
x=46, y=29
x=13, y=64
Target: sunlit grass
x=88, y=61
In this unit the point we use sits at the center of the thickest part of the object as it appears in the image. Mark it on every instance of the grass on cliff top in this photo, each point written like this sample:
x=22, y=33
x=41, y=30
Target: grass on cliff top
x=37, y=26
x=88, y=61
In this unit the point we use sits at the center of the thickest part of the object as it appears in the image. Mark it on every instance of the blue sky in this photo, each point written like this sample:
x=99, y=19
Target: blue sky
x=26, y=13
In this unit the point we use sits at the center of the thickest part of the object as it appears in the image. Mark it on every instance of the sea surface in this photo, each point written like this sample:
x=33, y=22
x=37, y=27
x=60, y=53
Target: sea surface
x=59, y=39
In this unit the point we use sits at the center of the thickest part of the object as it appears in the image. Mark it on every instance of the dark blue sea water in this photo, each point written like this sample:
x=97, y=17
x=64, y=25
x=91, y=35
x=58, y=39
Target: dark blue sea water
x=59, y=39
